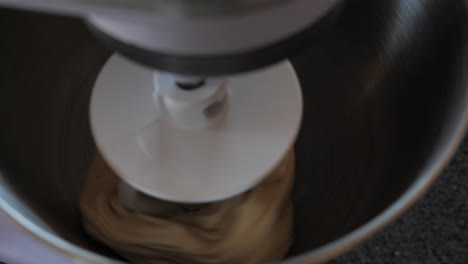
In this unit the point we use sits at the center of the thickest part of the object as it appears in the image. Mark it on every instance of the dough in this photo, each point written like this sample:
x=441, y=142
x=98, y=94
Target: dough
x=254, y=227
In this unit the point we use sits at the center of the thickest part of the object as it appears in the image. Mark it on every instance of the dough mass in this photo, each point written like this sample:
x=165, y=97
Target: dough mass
x=255, y=227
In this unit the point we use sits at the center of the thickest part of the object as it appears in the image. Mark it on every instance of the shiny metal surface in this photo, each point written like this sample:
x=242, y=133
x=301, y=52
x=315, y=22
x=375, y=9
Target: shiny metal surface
x=207, y=35
x=385, y=107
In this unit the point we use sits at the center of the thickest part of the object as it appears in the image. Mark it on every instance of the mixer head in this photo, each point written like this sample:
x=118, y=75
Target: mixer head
x=215, y=37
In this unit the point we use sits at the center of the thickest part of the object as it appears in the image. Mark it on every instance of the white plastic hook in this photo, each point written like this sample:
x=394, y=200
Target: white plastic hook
x=197, y=108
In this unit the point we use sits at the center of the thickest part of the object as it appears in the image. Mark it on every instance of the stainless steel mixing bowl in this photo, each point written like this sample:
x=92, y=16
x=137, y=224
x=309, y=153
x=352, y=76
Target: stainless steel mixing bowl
x=386, y=101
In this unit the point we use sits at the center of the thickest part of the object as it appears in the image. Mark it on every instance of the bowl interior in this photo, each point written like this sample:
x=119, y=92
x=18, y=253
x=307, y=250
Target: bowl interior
x=382, y=87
